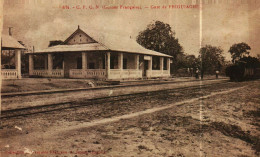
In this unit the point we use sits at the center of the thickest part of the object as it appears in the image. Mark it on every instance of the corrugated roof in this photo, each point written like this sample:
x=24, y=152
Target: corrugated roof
x=105, y=42
x=72, y=48
x=9, y=42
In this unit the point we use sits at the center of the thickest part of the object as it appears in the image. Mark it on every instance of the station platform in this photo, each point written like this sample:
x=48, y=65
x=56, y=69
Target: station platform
x=27, y=99
x=32, y=85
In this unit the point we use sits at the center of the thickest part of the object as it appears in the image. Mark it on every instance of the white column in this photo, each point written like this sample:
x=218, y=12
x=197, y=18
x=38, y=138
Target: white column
x=50, y=64
x=84, y=60
x=108, y=65
x=120, y=60
x=168, y=65
x=18, y=63
x=150, y=67
x=31, y=64
x=150, y=63
x=137, y=62
x=161, y=64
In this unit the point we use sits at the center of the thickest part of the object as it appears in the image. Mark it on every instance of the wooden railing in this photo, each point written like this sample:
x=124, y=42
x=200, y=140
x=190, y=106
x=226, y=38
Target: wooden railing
x=46, y=73
x=9, y=74
x=95, y=73
x=43, y=73
x=76, y=73
x=57, y=73
x=88, y=73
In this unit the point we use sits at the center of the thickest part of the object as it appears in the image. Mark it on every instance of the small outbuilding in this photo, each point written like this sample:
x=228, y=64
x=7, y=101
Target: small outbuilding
x=98, y=56
x=11, y=53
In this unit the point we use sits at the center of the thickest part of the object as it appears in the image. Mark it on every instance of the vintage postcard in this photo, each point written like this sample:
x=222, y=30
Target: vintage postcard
x=176, y=78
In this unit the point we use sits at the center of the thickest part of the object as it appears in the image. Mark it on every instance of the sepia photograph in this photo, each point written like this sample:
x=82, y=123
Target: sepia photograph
x=130, y=78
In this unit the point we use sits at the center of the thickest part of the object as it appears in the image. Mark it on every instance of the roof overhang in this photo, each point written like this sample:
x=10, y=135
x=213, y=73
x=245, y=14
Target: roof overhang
x=93, y=47
x=9, y=43
x=104, y=42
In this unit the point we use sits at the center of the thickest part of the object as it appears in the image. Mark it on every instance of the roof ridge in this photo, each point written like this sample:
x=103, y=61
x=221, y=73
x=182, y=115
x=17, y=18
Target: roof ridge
x=98, y=41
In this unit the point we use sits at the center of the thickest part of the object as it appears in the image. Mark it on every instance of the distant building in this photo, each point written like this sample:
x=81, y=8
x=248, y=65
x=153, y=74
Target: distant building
x=10, y=52
x=105, y=57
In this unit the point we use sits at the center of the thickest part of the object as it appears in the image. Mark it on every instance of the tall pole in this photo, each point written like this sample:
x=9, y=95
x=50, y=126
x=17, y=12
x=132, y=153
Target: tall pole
x=10, y=30
x=108, y=65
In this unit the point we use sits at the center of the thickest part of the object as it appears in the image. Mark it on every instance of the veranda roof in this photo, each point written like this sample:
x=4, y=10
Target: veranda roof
x=109, y=42
x=8, y=42
x=73, y=48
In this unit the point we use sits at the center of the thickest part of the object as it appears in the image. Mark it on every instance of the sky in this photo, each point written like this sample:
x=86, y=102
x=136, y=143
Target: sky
x=36, y=22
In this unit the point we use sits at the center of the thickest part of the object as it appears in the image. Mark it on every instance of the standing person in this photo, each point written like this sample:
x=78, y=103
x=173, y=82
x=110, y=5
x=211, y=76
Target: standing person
x=217, y=72
x=197, y=73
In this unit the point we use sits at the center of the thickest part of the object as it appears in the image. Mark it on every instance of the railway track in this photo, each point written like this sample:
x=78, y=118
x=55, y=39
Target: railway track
x=6, y=95
x=7, y=114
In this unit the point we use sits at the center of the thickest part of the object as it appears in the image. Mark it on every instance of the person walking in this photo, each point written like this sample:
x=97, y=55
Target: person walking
x=217, y=72
x=197, y=73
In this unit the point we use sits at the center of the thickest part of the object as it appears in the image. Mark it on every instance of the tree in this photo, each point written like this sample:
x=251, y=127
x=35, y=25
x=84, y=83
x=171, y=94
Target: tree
x=192, y=61
x=211, y=59
x=239, y=50
x=186, y=61
x=159, y=37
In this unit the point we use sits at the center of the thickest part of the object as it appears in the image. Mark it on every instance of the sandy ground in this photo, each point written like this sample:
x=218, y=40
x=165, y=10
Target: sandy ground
x=46, y=99
x=38, y=84
x=219, y=121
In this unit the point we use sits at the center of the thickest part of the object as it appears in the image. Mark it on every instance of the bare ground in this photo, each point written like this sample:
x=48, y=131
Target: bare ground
x=46, y=99
x=224, y=124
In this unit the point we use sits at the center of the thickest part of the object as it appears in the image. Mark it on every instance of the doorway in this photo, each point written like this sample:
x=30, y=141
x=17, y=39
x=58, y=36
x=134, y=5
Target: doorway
x=145, y=68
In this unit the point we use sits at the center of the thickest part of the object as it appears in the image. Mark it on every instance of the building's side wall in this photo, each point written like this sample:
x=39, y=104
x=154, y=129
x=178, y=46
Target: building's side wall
x=80, y=38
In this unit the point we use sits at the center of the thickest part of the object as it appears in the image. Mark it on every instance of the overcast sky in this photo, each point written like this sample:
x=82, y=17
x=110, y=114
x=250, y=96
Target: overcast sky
x=36, y=22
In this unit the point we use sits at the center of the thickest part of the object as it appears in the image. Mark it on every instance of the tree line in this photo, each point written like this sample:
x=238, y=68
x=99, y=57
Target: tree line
x=160, y=37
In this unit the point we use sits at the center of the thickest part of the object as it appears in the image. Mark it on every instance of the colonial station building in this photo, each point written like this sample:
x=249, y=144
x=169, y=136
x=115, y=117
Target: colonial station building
x=83, y=55
x=10, y=57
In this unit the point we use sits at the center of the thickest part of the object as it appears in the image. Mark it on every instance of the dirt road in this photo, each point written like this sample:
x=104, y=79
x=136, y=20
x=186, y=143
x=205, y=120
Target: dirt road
x=217, y=121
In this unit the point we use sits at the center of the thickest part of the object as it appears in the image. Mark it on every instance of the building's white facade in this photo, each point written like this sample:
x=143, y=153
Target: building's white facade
x=83, y=56
x=11, y=44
